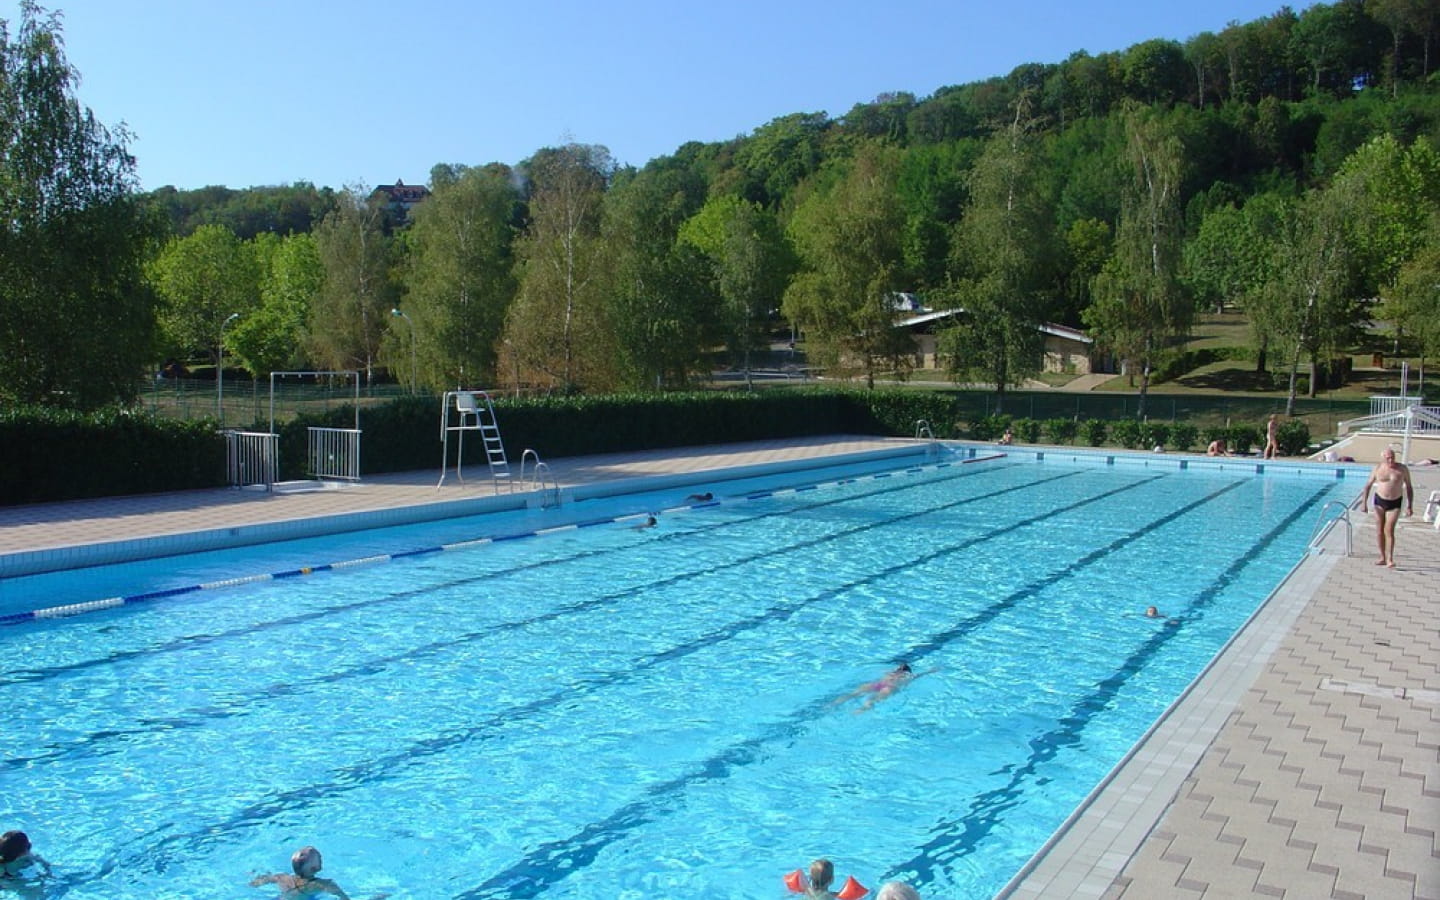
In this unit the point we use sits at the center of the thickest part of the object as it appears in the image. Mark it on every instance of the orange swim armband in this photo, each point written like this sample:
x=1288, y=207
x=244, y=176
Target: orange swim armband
x=852, y=890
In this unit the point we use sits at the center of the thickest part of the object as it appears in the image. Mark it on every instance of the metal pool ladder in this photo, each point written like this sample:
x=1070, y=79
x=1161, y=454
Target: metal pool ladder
x=1323, y=524
x=924, y=432
x=539, y=479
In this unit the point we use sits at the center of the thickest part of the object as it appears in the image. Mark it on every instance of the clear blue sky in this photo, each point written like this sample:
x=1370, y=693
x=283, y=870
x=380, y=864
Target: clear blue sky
x=362, y=92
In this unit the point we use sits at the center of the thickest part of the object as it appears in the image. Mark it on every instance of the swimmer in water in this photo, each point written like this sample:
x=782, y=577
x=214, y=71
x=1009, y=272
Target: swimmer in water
x=700, y=498
x=886, y=686
x=16, y=855
x=1153, y=613
x=822, y=873
x=306, y=881
x=650, y=522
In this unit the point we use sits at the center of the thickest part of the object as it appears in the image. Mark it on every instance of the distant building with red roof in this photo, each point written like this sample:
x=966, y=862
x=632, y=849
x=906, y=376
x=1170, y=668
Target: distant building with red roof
x=399, y=199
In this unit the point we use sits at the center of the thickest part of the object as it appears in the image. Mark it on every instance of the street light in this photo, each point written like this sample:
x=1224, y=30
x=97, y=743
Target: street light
x=220, y=371
x=398, y=314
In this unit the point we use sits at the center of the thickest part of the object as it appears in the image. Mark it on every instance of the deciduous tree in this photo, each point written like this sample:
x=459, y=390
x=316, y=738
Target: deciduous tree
x=350, y=315
x=1139, y=307
x=662, y=303
x=848, y=235
x=751, y=261
x=273, y=337
x=1313, y=303
x=203, y=280
x=556, y=327
x=1002, y=259
x=460, y=276
x=77, y=316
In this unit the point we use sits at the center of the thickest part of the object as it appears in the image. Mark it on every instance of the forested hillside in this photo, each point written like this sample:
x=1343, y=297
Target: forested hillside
x=1286, y=165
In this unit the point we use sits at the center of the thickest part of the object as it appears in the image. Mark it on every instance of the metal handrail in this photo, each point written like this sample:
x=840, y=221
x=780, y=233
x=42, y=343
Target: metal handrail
x=923, y=430
x=539, y=479
x=1322, y=526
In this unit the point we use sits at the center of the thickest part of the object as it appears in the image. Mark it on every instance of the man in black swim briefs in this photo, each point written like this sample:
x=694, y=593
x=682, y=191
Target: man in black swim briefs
x=1391, y=481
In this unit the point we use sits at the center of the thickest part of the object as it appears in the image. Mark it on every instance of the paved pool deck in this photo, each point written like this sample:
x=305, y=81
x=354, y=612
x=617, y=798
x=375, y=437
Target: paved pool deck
x=1305, y=762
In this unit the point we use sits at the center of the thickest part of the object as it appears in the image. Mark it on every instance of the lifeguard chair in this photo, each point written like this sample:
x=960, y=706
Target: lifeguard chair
x=471, y=411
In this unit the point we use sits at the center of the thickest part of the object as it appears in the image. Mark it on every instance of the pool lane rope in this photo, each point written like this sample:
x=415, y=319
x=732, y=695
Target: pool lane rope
x=629, y=519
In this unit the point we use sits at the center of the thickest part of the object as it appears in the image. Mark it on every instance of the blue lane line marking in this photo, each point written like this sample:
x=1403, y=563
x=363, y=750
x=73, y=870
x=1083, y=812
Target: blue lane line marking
x=91, y=744
x=369, y=773
x=74, y=609
x=471, y=579
x=959, y=837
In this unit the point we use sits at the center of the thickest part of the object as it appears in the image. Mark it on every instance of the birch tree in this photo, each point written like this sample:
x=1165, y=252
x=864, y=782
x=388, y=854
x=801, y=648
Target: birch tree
x=352, y=310
x=460, y=279
x=849, y=234
x=555, y=327
x=1001, y=253
x=77, y=315
x=1139, y=309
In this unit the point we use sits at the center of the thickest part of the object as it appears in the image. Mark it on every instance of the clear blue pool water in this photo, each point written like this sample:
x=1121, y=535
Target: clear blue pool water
x=604, y=712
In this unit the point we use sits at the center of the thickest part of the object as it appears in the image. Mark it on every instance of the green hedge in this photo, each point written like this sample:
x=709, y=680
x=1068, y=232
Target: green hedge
x=54, y=454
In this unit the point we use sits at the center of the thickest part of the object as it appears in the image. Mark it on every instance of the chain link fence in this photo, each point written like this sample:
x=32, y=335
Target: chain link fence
x=246, y=402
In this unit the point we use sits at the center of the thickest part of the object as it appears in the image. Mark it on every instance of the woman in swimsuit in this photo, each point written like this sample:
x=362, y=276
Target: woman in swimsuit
x=893, y=681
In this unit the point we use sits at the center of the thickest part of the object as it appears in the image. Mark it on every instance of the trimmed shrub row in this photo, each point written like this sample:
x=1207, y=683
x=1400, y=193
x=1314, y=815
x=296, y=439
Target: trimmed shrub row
x=62, y=455
x=56, y=454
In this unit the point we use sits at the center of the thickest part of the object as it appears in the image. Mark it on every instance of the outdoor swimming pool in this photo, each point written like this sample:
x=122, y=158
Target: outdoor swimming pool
x=613, y=713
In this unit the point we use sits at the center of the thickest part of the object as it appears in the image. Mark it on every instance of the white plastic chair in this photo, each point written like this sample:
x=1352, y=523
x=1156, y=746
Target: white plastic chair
x=465, y=405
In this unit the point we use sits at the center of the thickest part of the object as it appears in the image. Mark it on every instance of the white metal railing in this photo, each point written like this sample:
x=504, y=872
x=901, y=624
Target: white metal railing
x=1414, y=418
x=334, y=453
x=252, y=458
x=1411, y=421
x=1379, y=406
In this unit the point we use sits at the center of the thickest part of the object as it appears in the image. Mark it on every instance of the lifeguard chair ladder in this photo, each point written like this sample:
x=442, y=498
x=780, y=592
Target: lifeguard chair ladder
x=472, y=411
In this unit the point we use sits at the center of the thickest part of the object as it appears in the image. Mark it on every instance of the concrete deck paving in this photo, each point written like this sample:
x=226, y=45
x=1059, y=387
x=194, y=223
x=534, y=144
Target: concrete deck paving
x=1305, y=762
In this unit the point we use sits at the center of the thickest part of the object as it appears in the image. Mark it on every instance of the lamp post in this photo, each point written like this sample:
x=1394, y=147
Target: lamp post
x=400, y=315
x=220, y=371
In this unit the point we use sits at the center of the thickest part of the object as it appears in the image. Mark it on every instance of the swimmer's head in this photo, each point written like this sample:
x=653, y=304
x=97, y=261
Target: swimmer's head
x=903, y=667
x=1152, y=613
x=822, y=872
x=1388, y=454
x=306, y=862
x=13, y=845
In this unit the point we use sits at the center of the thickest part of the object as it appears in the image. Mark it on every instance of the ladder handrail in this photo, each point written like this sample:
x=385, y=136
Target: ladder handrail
x=540, y=479
x=924, y=432
x=1322, y=526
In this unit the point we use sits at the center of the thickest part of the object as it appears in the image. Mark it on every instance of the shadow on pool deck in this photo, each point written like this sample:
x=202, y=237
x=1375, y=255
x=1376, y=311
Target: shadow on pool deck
x=1306, y=764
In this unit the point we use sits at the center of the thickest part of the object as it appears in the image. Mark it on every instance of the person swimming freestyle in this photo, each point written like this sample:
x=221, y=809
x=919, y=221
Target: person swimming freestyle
x=882, y=688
